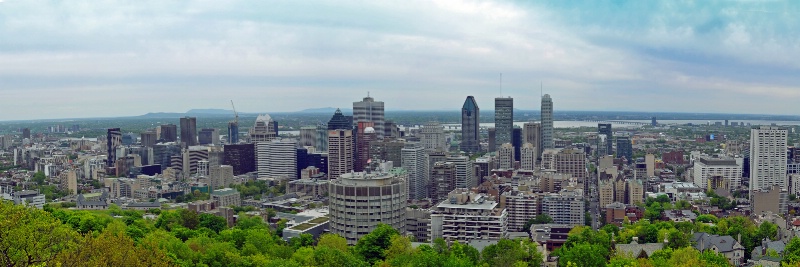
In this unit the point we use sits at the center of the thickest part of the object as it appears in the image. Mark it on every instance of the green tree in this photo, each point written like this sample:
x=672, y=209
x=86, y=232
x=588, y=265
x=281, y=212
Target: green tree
x=333, y=241
x=371, y=247
x=189, y=218
x=304, y=240
x=39, y=178
x=539, y=219
x=29, y=236
x=791, y=255
x=331, y=257
x=583, y=254
x=767, y=230
x=505, y=253
x=213, y=222
x=685, y=257
x=711, y=258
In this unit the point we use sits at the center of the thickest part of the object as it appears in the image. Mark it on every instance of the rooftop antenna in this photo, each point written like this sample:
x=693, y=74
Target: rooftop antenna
x=541, y=88
x=501, y=84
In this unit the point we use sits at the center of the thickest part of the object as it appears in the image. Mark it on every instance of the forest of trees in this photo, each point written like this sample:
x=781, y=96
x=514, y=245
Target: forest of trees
x=61, y=237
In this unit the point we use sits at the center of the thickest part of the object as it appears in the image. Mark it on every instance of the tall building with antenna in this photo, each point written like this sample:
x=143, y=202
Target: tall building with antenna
x=470, y=126
x=369, y=110
x=503, y=120
x=547, y=122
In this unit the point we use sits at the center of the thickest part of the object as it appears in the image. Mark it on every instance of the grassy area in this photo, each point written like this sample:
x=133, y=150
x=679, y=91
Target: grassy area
x=319, y=220
x=303, y=226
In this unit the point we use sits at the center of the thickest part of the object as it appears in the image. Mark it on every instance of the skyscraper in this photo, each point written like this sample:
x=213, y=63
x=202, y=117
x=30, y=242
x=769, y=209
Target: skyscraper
x=26, y=133
x=625, y=148
x=605, y=128
x=505, y=155
x=233, y=132
x=432, y=136
x=264, y=129
x=503, y=120
x=516, y=141
x=277, y=159
x=208, y=136
x=547, y=123
x=369, y=110
x=149, y=138
x=365, y=135
x=340, y=122
x=492, y=139
x=465, y=171
x=340, y=152
x=113, y=140
x=470, y=126
x=415, y=162
x=768, y=158
x=532, y=133
x=189, y=131
x=528, y=157
x=242, y=157
x=308, y=136
x=169, y=133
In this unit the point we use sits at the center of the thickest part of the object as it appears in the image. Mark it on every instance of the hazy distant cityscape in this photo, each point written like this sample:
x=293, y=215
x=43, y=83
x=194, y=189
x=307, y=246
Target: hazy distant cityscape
x=433, y=177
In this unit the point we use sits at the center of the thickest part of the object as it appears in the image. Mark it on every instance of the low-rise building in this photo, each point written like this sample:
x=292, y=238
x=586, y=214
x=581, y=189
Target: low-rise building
x=227, y=197
x=725, y=245
x=100, y=204
x=418, y=224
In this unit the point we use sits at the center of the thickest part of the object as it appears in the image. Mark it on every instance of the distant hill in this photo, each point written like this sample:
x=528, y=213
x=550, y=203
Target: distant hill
x=326, y=110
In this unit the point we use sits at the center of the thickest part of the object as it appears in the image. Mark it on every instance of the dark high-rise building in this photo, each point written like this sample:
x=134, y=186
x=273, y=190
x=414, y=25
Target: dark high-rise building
x=605, y=128
x=113, y=140
x=340, y=122
x=625, y=148
x=319, y=160
x=128, y=139
x=302, y=160
x=233, y=132
x=653, y=121
x=242, y=157
x=470, y=126
x=516, y=141
x=189, y=131
x=163, y=153
x=503, y=120
x=169, y=133
x=208, y=136
x=149, y=138
x=492, y=139
x=26, y=133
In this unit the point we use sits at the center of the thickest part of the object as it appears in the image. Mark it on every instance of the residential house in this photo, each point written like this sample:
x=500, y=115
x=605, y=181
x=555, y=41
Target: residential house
x=725, y=245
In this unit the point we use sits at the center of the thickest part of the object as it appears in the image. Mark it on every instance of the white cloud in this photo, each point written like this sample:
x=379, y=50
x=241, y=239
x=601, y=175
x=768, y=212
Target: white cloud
x=413, y=54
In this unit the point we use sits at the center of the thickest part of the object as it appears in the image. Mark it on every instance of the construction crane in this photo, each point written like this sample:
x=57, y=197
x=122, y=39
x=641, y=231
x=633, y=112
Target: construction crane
x=233, y=127
x=236, y=119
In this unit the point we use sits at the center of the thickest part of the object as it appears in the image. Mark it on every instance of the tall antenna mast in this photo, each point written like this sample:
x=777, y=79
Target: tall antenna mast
x=501, y=84
x=541, y=89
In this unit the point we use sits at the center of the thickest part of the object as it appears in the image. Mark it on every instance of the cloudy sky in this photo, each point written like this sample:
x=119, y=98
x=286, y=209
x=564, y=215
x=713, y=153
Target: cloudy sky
x=90, y=58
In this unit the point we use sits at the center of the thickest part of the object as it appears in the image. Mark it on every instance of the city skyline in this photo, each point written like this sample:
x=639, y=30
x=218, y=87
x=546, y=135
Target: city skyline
x=151, y=56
